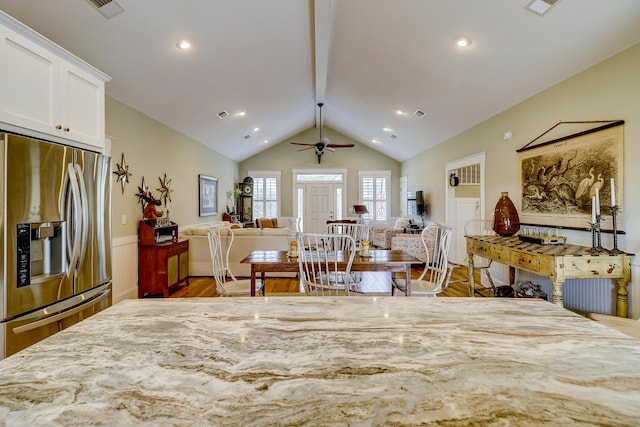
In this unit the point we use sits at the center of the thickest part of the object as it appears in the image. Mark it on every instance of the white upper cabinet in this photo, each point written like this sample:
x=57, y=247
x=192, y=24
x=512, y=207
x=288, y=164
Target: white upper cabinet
x=45, y=89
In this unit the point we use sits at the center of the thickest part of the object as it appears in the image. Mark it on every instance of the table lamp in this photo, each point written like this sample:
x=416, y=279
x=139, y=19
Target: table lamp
x=360, y=210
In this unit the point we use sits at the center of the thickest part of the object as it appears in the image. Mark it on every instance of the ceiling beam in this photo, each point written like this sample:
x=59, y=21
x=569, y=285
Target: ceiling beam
x=324, y=16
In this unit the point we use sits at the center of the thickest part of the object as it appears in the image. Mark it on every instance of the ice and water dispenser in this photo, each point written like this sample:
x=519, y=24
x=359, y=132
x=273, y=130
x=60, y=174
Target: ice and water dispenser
x=40, y=251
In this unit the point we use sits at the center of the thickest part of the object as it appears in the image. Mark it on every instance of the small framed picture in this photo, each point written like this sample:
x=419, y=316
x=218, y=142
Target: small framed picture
x=208, y=195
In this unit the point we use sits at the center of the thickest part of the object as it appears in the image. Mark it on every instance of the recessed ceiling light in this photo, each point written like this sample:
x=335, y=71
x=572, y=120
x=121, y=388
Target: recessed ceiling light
x=183, y=44
x=242, y=113
x=400, y=112
x=375, y=141
x=387, y=129
x=463, y=41
x=256, y=129
x=266, y=141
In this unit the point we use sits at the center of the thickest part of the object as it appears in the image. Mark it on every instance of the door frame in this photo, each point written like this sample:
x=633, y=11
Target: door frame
x=295, y=185
x=450, y=206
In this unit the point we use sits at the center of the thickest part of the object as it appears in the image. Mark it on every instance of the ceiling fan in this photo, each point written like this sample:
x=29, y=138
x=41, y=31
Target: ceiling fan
x=323, y=145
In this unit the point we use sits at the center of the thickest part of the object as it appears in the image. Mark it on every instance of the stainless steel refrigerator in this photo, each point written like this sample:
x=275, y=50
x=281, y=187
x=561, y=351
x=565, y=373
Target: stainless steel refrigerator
x=55, y=232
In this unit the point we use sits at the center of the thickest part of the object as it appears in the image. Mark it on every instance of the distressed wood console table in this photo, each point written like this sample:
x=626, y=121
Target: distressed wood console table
x=556, y=262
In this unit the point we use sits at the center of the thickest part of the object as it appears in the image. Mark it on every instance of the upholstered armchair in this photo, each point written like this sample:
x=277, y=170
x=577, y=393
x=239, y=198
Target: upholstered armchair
x=381, y=236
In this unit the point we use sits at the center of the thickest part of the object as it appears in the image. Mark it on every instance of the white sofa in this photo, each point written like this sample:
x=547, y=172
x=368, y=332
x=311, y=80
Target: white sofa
x=245, y=241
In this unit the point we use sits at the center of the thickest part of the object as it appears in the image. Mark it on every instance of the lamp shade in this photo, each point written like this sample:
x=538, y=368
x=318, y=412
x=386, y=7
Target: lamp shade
x=360, y=209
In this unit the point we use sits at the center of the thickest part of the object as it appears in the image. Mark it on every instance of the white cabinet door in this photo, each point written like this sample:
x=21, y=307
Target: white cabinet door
x=44, y=92
x=81, y=106
x=29, y=84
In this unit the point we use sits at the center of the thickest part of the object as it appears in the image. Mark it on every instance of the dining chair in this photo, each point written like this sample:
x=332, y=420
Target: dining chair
x=226, y=282
x=360, y=233
x=476, y=227
x=437, y=272
x=319, y=258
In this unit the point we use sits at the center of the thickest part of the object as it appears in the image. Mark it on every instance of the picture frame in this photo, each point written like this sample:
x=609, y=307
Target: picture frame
x=558, y=178
x=207, y=195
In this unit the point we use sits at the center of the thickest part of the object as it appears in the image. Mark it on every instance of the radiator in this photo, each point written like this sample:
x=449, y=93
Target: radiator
x=591, y=296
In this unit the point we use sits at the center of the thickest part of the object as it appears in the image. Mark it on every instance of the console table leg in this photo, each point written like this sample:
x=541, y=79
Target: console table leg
x=557, y=293
x=622, y=298
x=471, y=276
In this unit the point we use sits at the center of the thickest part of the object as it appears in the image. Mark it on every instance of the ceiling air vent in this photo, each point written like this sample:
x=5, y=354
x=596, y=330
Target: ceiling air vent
x=419, y=114
x=108, y=8
x=247, y=136
x=222, y=114
x=540, y=7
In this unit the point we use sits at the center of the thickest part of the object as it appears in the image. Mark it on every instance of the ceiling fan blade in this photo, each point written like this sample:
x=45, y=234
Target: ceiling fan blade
x=308, y=148
x=341, y=145
x=329, y=148
x=301, y=143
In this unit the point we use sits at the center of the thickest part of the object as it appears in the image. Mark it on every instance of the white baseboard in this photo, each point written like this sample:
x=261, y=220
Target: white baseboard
x=124, y=268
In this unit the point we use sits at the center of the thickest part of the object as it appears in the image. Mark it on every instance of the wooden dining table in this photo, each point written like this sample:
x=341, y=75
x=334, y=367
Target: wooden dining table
x=380, y=260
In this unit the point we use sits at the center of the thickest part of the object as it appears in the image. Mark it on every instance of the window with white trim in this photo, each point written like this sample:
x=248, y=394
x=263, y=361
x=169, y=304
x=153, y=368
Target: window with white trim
x=374, y=193
x=266, y=194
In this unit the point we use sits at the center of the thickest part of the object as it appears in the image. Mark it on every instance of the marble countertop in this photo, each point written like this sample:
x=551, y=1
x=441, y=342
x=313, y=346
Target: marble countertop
x=326, y=361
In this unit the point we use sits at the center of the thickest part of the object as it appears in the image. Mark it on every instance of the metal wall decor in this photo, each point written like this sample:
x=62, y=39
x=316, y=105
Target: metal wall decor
x=165, y=190
x=122, y=173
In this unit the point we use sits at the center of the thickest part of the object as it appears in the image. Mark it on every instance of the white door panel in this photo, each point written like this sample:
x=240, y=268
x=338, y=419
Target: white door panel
x=319, y=206
x=466, y=209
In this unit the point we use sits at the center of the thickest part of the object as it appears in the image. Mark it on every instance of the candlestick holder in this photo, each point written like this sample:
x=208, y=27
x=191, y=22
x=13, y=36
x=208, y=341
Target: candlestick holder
x=599, y=220
x=614, y=212
x=593, y=227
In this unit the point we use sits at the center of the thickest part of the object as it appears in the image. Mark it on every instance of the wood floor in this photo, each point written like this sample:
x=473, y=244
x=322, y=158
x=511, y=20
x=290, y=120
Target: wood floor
x=373, y=283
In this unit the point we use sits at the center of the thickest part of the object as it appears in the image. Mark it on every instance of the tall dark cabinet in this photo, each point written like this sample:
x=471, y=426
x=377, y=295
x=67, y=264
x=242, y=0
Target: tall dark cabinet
x=163, y=258
x=245, y=201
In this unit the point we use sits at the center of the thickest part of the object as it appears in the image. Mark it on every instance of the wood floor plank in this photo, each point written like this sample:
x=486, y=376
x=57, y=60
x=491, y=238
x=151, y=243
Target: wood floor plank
x=372, y=283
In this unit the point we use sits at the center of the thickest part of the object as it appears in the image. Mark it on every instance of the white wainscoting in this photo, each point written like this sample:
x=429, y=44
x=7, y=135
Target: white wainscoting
x=592, y=295
x=124, y=268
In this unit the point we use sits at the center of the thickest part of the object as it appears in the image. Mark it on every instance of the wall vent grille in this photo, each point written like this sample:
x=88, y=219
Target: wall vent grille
x=540, y=7
x=108, y=8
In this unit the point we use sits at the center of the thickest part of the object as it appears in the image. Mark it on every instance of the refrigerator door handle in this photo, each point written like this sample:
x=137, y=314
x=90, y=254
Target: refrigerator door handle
x=84, y=212
x=77, y=221
x=62, y=315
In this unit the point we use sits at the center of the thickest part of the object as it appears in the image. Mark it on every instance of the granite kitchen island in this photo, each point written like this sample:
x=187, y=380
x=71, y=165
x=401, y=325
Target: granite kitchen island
x=326, y=361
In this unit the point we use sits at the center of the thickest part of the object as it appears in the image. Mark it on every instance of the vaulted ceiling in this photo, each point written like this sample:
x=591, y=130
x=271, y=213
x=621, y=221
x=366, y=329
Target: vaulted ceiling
x=267, y=63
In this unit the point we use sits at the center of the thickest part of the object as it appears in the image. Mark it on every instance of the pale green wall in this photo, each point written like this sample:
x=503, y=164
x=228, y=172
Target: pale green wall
x=152, y=149
x=284, y=157
x=609, y=90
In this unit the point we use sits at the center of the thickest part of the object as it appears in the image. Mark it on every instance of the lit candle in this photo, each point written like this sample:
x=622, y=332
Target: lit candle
x=613, y=193
x=593, y=210
x=597, y=201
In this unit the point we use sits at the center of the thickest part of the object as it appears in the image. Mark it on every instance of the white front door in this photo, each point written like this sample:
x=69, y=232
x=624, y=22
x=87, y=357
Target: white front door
x=319, y=206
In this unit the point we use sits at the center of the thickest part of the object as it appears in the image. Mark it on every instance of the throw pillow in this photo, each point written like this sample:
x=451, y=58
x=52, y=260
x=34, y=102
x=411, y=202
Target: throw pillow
x=267, y=222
